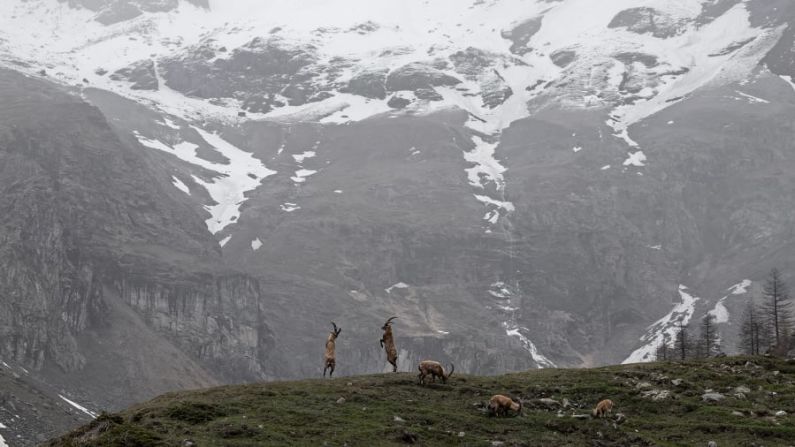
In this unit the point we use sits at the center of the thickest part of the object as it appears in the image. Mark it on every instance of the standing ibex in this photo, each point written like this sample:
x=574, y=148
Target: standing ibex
x=434, y=369
x=499, y=404
x=330, y=357
x=388, y=343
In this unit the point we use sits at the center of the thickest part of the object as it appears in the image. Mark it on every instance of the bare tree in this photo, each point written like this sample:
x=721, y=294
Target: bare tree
x=708, y=341
x=776, y=307
x=682, y=343
x=663, y=351
x=751, y=330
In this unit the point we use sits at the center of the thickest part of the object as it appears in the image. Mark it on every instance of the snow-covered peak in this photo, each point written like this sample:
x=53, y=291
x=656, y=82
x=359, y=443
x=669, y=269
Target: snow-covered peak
x=633, y=56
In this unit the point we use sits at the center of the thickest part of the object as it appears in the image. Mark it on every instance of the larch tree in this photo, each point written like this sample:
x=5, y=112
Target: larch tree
x=777, y=309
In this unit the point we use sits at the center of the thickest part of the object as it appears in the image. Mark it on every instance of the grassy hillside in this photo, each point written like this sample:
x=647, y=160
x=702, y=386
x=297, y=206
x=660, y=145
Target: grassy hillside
x=391, y=409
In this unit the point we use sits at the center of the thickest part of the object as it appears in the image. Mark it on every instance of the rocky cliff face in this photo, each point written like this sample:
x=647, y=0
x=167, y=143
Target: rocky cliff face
x=88, y=234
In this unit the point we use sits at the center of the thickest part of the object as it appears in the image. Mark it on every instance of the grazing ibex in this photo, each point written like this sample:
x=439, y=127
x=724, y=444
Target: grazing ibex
x=499, y=404
x=388, y=343
x=330, y=357
x=602, y=408
x=434, y=369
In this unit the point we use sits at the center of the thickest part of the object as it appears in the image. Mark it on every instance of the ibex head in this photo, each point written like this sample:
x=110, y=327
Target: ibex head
x=388, y=323
x=335, y=331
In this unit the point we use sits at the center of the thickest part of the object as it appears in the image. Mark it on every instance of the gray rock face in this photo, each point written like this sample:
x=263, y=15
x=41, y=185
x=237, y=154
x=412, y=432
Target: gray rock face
x=370, y=84
x=418, y=76
x=257, y=71
x=398, y=102
x=781, y=59
x=141, y=74
x=471, y=61
x=630, y=58
x=644, y=20
x=428, y=94
x=118, y=12
x=71, y=267
x=110, y=12
x=31, y=410
x=521, y=34
x=563, y=58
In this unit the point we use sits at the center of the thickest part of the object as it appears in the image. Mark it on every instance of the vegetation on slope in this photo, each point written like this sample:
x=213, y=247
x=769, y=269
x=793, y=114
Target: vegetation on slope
x=661, y=404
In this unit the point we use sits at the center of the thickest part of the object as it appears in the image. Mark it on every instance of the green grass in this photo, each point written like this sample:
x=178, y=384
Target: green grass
x=308, y=413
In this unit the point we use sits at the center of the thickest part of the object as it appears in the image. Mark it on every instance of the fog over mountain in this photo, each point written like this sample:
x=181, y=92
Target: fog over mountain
x=192, y=190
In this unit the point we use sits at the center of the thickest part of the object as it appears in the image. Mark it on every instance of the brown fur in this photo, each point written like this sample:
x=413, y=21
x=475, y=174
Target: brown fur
x=602, y=408
x=434, y=369
x=388, y=343
x=499, y=404
x=330, y=357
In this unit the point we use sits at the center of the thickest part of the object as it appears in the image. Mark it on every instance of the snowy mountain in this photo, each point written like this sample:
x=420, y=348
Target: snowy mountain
x=526, y=183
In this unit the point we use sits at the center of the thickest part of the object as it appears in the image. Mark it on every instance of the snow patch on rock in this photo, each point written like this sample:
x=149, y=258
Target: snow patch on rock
x=79, y=407
x=179, y=185
x=665, y=326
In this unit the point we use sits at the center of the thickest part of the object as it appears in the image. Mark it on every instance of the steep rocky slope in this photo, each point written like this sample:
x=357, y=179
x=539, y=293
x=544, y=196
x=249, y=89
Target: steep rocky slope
x=89, y=235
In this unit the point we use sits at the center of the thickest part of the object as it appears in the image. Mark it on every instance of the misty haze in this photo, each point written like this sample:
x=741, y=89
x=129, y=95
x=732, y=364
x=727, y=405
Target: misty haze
x=353, y=222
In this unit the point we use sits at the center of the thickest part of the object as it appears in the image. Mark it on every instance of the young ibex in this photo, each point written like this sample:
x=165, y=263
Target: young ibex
x=602, y=408
x=434, y=369
x=388, y=343
x=330, y=357
x=499, y=404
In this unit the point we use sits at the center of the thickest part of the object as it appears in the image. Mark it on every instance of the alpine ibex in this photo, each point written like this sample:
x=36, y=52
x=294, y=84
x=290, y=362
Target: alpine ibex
x=499, y=404
x=330, y=357
x=602, y=408
x=434, y=369
x=388, y=343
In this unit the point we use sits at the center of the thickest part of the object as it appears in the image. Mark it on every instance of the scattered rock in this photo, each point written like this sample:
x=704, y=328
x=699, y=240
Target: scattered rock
x=676, y=382
x=742, y=389
x=349, y=384
x=580, y=416
x=497, y=443
x=643, y=385
x=548, y=403
x=620, y=418
x=399, y=419
x=341, y=400
x=461, y=434
x=188, y=443
x=712, y=397
x=737, y=413
x=780, y=413
x=566, y=403
x=656, y=395
x=712, y=444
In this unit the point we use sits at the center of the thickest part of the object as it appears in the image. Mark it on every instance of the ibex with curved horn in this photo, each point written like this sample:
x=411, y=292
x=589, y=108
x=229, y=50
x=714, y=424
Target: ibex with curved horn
x=388, y=343
x=330, y=357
